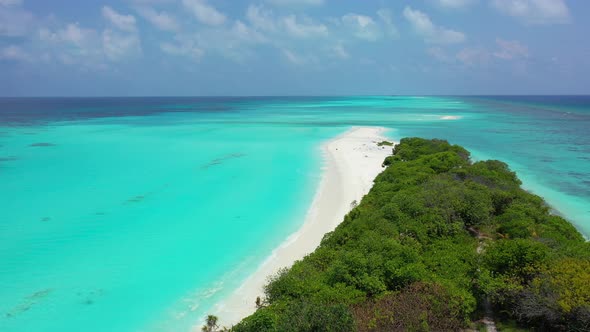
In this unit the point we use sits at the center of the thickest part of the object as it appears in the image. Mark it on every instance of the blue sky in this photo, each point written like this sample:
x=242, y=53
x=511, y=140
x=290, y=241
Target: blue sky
x=293, y=47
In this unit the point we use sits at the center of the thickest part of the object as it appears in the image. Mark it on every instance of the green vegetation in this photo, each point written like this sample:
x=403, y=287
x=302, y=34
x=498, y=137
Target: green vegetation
x=385, y=143
x=210, y=324
x=436, y=238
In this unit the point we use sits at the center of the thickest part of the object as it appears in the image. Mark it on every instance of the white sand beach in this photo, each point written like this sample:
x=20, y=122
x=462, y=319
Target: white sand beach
x=351, y=162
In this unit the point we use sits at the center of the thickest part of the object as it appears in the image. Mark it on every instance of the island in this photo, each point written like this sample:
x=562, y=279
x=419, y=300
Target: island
x=440, y=243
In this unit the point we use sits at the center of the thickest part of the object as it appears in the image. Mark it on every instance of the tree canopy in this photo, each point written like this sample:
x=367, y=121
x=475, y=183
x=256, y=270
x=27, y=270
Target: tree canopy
x=436, y=237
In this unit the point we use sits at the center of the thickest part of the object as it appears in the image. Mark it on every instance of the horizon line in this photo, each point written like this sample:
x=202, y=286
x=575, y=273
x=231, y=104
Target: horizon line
x=303, y=96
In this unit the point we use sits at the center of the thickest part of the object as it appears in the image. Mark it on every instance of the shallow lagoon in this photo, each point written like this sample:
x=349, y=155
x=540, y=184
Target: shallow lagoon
x=140, y=213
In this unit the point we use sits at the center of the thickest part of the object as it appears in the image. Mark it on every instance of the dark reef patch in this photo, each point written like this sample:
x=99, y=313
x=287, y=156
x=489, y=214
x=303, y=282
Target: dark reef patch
x=28, y=302
x=577, y=175
x=41, y=144
x=9, y=158
x=45, y=219
x=90, y=297
x=221, y=160
x=136, y=199
x=4, y=160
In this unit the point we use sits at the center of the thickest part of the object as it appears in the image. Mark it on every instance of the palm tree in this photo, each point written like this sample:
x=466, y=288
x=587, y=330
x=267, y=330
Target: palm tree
x=211, y=324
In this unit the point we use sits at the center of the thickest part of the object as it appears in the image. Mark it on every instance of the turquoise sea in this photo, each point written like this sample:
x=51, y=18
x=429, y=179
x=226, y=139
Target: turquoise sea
x=138, y=214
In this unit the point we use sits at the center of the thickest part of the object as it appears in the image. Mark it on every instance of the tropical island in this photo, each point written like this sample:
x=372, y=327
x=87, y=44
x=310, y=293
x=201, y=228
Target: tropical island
x=440, y=243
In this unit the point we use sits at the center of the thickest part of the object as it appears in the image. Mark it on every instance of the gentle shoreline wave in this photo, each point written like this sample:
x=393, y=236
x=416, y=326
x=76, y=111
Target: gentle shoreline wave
x=351, y=162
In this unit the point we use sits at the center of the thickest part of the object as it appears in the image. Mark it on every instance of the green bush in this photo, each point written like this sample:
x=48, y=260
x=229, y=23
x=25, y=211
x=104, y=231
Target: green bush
x=434, y=238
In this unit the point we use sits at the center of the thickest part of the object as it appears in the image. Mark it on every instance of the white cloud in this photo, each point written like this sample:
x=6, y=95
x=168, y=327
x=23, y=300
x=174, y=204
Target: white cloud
x=123, y=22
x=72, y=45
x=344, y=29
x=340, y=52
x=298, y=59
x=305, y=29
x=535, y=11
x=292, y=57
x=429, y=31
x=439, y=54
x=235, y=42
x=297, y=37
x=246, y=34
x=204, y=12
x=473, y=56
x=387, y=18
x=183, y=46
x=510, y=50
x=454, y=4
x=118, y=46
x=87, y=48
x=152, y=2
x=261, y=18
x=14, y=21
x=363, y=27
x=296, y=2
x=160, y=20
x=14, y=53
x=477, y=56
x=291, y=25
x=11, y=2
x=124, y=42
x=72, y=34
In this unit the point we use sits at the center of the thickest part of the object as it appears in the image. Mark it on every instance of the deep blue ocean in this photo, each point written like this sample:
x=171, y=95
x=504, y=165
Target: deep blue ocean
x=139, y=214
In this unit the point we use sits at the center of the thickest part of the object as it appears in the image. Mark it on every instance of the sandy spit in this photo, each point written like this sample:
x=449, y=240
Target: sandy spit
x=351, y=162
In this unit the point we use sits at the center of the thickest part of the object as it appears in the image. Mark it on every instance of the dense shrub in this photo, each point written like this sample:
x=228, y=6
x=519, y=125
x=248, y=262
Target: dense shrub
x=559, y=298
x=418, y=307
x=435, y=237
